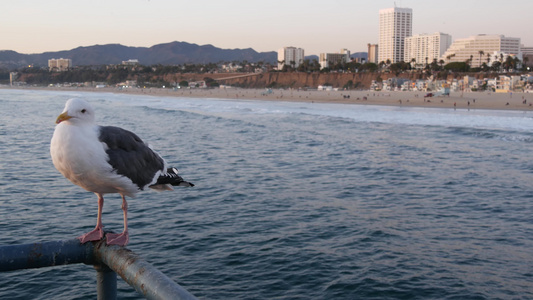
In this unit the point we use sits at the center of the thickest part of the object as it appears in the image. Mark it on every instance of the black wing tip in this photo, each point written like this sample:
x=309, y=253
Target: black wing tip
x=184, y=183
x=172, y=178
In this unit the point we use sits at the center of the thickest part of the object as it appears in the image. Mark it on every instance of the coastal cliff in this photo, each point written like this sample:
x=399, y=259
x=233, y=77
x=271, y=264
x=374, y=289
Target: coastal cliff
x=303, y=80
x=291, y=80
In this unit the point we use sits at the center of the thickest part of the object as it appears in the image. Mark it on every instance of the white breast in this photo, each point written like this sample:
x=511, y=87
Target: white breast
x=80, y=157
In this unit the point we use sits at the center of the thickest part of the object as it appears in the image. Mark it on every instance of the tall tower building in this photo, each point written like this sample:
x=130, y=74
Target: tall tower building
x=373, y=53
x=290, y=56
x=395, y=24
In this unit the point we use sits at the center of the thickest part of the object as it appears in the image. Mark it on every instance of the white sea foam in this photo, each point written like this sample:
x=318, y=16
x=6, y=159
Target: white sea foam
x=483, y=119
x=473, y=118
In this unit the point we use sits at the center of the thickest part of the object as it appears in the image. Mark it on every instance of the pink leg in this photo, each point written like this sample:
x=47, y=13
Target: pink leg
x=121, y=239
x=98, y=232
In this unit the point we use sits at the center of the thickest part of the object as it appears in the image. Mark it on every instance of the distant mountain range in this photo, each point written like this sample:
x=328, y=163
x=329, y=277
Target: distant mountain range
x=166, y=54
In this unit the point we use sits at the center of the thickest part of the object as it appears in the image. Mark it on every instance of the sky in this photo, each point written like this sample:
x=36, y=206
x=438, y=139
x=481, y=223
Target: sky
x=37, y=26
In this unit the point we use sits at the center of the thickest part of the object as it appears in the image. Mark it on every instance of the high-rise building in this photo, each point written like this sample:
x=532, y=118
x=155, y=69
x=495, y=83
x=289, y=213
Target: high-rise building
x=482, y=49
x=424, y=48
x=395, y=24
x=290, y=56
x=373, y=53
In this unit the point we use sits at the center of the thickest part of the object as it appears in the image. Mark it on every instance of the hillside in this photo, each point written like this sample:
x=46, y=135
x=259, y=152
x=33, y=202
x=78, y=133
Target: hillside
x=173, y=53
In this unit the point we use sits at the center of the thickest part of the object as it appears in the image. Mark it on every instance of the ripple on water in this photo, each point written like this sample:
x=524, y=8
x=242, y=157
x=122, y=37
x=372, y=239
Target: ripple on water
x=290, y=202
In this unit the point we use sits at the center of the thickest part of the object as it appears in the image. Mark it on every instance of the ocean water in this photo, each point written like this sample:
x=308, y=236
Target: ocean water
x=292, y=200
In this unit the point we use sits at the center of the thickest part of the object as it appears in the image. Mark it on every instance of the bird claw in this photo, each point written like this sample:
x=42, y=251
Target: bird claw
x=94, y=235
x=121, y=239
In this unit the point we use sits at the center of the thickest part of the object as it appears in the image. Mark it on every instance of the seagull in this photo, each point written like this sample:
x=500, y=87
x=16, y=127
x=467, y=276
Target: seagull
x=106, y=160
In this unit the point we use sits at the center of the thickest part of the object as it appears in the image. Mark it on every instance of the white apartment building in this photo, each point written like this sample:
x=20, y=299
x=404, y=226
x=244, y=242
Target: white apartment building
x=395, y=24
x=424, y=48
x=462, y=50
x=290, y=56
x=59, y=64
x=326, y=60
x=130, y=62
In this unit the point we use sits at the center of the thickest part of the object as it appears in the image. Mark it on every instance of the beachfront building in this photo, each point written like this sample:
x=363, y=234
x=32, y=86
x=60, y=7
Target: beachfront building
x=60, y=64
x=506, y=84
x=373, y=53
x=395, y=24
x=424, y=48
x=483, y=48
x=290, y=56
x=328, y=60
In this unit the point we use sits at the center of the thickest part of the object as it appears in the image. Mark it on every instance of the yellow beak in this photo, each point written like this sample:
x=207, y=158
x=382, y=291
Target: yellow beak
x=62, y=117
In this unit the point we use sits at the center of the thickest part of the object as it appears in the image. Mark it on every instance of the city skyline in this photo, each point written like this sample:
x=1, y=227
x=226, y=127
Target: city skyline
x=35, y=26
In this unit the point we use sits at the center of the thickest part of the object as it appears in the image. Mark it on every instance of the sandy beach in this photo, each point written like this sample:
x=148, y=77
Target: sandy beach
x=459, y=100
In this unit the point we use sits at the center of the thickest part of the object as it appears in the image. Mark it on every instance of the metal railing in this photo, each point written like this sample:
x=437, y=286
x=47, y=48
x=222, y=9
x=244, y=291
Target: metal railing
x=107, y=260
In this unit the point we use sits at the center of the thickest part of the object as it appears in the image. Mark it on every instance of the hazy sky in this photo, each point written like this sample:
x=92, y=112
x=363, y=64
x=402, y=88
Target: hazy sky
x=35, y=26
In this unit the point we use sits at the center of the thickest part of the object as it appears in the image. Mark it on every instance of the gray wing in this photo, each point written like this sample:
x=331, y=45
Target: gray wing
x=130, y=156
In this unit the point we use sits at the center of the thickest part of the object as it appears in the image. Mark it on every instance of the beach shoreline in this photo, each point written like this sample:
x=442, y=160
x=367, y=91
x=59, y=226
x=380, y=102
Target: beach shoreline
x=457, y=100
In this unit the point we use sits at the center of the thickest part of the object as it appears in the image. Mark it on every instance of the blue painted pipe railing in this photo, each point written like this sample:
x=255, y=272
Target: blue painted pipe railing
x=108, y=261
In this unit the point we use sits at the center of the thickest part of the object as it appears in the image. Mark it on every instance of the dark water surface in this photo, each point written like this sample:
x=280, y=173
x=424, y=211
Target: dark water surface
x=292, y=201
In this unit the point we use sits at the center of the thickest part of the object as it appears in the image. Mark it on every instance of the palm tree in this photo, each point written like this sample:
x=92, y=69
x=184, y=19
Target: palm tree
x=449, y=57
x=481, y=53
x=516, y=62
x=293, y=63
x=434, y=64
x=315, y=67
x=508, y=64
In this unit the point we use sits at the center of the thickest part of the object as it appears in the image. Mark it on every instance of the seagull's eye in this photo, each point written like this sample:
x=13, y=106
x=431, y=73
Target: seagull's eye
x=83, y=111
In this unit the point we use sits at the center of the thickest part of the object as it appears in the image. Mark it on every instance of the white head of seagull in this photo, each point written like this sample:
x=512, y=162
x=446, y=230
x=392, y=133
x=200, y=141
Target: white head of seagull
x=77, y=111
x=106, y=159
